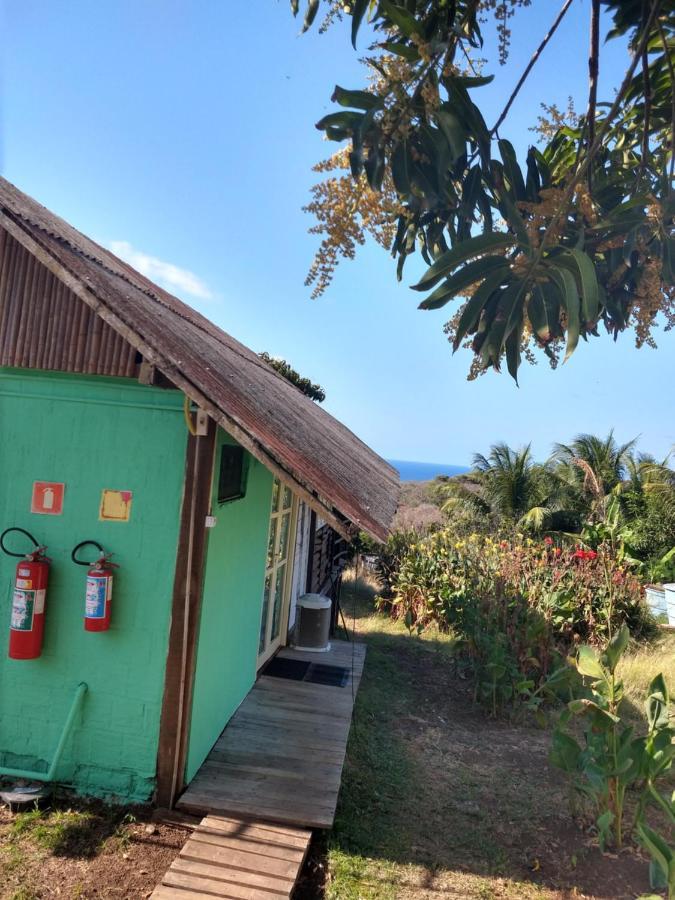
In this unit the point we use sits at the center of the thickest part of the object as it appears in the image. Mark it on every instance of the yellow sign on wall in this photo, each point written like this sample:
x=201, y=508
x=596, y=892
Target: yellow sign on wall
x=115, y=506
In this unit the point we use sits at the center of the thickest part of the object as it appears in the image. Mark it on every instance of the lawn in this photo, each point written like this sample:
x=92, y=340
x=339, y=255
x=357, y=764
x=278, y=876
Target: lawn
x=438, y=800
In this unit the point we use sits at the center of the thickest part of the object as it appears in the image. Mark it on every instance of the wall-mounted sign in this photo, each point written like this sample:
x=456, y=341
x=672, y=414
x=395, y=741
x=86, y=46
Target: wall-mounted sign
x=115, y=506
x=47, y=498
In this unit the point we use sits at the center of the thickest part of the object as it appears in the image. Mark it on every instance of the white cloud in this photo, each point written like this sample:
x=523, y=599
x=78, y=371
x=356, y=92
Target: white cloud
x=166, y=274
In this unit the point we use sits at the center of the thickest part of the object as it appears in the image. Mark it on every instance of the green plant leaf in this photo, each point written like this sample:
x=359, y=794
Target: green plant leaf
x=356, y=99
x=400, y=172
x=310, y=15
x=512, y=169
x=359, y=9
x=615, y=648
x=348, y=120
x=467, y=275
x=586, y=277
x=657, y=848
x=475, y=304
x=564, y=281
x=406, y=23
x=461, y=252
x=565, y=752
x=588, y=663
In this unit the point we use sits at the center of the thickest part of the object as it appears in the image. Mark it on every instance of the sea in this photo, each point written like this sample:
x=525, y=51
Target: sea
x=424, y=471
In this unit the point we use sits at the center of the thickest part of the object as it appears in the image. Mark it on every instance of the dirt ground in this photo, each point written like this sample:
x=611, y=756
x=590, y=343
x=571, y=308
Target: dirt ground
x=70, y=849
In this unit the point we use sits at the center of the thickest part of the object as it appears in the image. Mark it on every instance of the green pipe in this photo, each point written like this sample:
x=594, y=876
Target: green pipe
x=51, y=771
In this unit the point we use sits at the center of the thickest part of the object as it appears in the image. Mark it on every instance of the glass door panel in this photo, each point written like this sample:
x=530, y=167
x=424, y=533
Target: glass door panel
x=278, y=571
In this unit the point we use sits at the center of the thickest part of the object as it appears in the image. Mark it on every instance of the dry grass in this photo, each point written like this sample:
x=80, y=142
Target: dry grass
x=639, y=666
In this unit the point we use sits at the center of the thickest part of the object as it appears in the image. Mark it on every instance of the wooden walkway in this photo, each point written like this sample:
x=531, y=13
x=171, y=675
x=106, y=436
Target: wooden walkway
x=237, y=860
x=280, y=757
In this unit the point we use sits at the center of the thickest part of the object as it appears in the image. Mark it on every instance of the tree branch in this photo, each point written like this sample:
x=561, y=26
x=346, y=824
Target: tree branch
x=593, y=69
x=535, y=56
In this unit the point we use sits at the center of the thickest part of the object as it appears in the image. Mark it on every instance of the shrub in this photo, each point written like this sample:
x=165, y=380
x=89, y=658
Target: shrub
x=517, y=606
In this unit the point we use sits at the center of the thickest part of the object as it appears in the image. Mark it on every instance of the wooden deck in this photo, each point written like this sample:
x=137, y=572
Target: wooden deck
x=238, y=860
x=280, y=757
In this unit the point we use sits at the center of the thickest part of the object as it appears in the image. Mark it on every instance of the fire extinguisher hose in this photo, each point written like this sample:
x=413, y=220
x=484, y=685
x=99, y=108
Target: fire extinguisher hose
x=82, y=562
x=21, y=531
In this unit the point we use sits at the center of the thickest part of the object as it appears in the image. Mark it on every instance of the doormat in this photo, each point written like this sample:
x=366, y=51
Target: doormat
x=295, y=669
x=336, y=676
x=299, y=670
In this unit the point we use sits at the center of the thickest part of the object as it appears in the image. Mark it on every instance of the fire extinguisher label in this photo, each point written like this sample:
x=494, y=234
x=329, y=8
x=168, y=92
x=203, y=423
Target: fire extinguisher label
x=40, y=602
x=25, y=584
x=23, y=608
x=97, y=594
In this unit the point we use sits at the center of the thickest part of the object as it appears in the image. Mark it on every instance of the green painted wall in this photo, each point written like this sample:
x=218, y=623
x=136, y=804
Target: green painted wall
x=91, y=433
x=231, y=608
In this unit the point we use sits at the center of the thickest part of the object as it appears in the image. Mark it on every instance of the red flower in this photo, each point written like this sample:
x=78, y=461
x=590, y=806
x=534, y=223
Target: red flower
x=584, y=554
x=548, y=541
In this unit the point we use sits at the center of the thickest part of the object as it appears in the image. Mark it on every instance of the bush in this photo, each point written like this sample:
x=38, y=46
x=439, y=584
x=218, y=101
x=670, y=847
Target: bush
x=517, y=606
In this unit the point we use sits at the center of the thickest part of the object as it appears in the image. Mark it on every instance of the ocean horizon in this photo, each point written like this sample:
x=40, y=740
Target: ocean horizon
x=409, y=470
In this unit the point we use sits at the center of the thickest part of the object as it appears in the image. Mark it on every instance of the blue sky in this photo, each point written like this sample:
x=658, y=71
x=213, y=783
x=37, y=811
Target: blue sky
x=182, y=134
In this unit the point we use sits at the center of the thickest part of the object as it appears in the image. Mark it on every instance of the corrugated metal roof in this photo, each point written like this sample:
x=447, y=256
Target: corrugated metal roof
x=290, y=433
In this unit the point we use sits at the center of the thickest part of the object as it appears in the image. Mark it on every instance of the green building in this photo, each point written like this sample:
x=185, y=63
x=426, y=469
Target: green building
x=129, y=420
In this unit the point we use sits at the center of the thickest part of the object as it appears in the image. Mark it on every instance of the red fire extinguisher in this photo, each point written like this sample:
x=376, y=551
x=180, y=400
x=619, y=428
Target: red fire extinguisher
x=98, y=594
x=27, y=624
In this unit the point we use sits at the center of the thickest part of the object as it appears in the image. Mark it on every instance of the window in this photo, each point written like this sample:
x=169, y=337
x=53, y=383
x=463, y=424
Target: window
x=232, y=473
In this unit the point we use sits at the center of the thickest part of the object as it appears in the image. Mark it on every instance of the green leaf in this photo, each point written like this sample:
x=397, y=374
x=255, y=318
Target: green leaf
x=588, y=663
x=359, y=9
x=310, y=15
x=474, y=306
x=604, y=823
x=538, y=314
x=467, y=275
x=513, y=218
x=348, y=120
x=588, y=707
x=512, y=352
x=581, y=266
x=462, y=251
x=356, y=99
x=454, y=132
x=400, y=168
x=406, y=51
x=565, y=753
x=657, y=848
x=474, y=81
x=506, y=317
x=615, y=648
x=564, y=281
x=512, y=169
x=406, y=23
x=658, y=703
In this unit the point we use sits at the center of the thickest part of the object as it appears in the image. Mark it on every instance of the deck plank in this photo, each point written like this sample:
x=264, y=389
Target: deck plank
x=280, y=758
x=236, y=860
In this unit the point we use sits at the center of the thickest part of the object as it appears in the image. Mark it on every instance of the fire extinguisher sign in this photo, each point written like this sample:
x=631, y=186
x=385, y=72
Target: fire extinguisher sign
x=47, y=498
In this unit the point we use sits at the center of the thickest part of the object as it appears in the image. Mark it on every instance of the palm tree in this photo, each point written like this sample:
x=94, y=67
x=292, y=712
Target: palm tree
x=598, y=464
x=505, y=486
